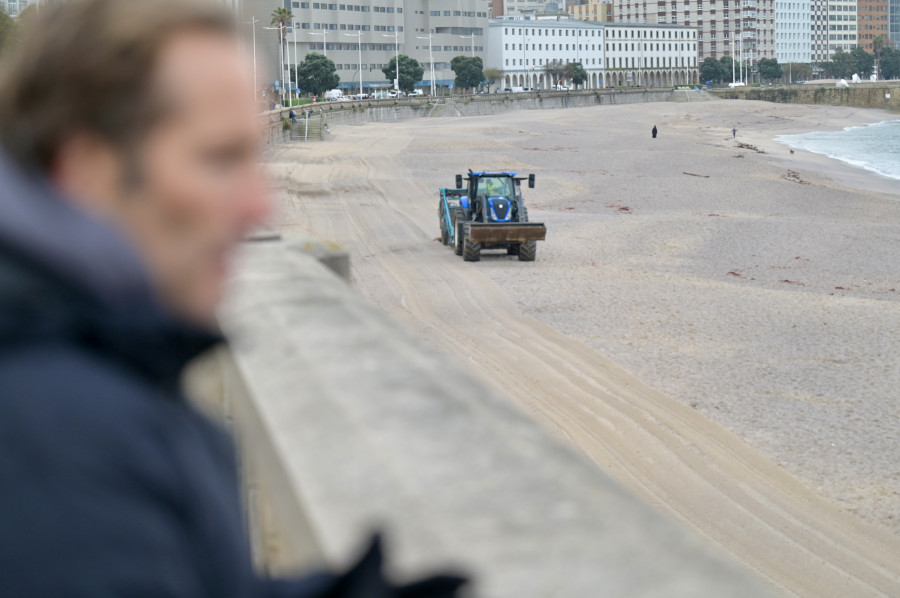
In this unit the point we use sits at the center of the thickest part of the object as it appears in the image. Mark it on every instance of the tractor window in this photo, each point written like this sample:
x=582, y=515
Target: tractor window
x=496, y=187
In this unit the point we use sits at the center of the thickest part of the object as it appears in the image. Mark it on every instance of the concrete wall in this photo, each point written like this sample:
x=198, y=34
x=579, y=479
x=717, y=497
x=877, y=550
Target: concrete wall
x=478, y=105
x=349, y=424
x=859, y=96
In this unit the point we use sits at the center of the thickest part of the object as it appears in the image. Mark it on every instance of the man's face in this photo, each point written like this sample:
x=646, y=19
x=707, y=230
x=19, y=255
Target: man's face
x=199, y=187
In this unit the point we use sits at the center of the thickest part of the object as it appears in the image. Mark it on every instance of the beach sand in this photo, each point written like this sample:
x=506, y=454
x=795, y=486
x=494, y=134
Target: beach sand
x=755, y=289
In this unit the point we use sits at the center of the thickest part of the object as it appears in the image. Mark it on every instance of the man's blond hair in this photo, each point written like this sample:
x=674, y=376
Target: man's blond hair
x=87, y=66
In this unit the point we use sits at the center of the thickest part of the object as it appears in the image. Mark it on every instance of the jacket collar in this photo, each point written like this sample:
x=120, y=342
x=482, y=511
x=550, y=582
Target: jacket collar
x=67, y=276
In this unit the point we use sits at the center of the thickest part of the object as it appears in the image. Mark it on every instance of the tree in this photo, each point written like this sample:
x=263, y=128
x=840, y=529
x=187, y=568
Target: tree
x=726, y=62
x=712, y=70
x=410, y=72
x=282, y=18
x=841, y=66
x=469, y=71
x=492, y=75
x=576, y=73
x=890, y=63
x=769, y=69
x=316, y=74
x=796, y=71
x=557, y=71
x=862, y=62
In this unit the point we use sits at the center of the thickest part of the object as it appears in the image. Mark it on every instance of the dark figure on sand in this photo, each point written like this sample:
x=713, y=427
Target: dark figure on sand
x=653, y=132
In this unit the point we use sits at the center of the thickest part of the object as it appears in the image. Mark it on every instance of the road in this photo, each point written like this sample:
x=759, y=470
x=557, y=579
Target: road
x=357, y=190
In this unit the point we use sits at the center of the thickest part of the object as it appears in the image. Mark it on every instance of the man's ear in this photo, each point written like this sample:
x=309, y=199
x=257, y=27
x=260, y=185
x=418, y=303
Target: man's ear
x=88, y=171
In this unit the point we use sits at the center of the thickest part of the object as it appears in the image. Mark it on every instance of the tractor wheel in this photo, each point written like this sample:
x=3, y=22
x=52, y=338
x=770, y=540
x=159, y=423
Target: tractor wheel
x=445, y=236
x=471, y=251
x=512, y=249
x=528, y=251
x=459, y=218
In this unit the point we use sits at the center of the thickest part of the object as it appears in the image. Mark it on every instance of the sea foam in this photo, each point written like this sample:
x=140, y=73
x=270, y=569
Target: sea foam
x=874, y=147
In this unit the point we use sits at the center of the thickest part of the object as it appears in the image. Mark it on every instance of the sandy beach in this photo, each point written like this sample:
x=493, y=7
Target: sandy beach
x=711, y=320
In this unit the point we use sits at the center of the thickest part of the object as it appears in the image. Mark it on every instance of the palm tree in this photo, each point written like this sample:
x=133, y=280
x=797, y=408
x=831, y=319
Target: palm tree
x=282, y=18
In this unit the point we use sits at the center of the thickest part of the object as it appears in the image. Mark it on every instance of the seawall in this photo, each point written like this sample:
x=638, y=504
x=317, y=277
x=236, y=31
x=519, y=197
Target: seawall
x=392, y=110
x=880, y=96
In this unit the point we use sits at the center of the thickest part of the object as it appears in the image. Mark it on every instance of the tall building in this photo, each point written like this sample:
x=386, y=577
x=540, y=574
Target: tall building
x=362, y=38
x=872, y=22
x=793, y=31
x=593, y=10
x=819, y=21
x=894, y=21
x=520, y=7
x=747, y=26
x=842, y=25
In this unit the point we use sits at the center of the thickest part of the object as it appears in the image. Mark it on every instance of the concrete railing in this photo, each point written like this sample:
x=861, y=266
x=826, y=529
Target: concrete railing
x=349, y=424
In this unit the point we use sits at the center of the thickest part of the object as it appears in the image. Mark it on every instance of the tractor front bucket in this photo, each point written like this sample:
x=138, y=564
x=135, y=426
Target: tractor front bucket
x=514, y=232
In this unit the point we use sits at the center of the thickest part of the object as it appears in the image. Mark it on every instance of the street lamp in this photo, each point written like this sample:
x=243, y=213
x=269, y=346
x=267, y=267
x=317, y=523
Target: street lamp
x=324, y=35
x=396, y=37
x=281, y=53
x=358, y=36
x=252, y=23
x=431, y=59
x=470, y=37
x=295, y=85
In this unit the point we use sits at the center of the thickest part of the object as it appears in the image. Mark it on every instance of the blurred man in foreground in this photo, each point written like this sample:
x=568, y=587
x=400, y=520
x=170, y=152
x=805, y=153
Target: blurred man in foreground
x=128, y=173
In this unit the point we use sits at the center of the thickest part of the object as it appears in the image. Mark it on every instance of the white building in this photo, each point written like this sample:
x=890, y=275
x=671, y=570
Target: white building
x=612, y=54
x=793, y=31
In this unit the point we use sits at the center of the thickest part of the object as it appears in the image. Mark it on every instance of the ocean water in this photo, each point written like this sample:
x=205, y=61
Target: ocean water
x=873, y=147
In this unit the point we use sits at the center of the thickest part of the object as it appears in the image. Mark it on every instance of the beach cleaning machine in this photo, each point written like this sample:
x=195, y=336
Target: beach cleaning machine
x=489, y=213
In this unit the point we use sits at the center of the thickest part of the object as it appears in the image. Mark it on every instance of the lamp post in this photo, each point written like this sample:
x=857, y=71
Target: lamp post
x=733, y=80
x=396, y=37
x=281, y=55
x=358, y=36
x=324, y=35
x=295, y=86
x=430, y=58
x=472, y=38
x=252, y=23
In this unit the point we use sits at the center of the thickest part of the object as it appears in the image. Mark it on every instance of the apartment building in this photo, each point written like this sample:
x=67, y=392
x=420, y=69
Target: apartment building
x=593, y=10
x=894, y=21
x=361, y=38
x=872, y=22
x=793, y=31
x=522, y=7
x=842, y=25
x=612, y=54
x=747, y=26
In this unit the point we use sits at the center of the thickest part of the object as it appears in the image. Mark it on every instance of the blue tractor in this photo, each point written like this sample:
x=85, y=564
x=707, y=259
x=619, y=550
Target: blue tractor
x=489, y=213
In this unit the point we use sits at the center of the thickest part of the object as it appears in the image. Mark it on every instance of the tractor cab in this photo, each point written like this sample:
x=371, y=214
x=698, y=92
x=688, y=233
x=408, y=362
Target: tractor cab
x=494, y=196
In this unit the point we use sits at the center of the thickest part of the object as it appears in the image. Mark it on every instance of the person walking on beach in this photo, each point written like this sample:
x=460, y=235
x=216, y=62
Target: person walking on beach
x=653, y=132
x=734, y=133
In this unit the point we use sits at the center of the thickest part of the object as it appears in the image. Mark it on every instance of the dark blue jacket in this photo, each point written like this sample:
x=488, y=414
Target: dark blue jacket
x=111, y=484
